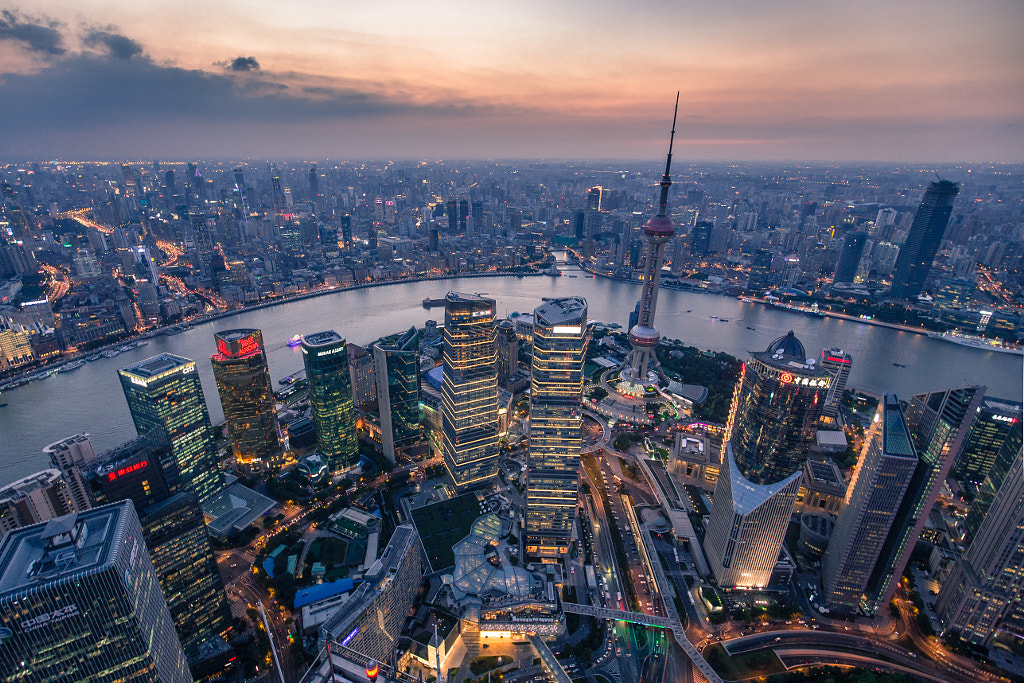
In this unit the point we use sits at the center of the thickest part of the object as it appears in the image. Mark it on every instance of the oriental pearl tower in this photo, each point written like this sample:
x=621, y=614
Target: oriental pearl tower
x=644, y=337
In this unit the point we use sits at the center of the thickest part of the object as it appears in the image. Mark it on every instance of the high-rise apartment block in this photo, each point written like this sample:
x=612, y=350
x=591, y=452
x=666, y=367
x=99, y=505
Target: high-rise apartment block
x=326, y=359
x=72, y=456
x=917, y=253
x=469, y=406
x=33, y=499
x=560, y=337
x=164, y=393
x=776, y=406
x=938, y=424
x=80, y=601
x=398, y=392
x=872, y=500
x=247, y=396
x=986, y=585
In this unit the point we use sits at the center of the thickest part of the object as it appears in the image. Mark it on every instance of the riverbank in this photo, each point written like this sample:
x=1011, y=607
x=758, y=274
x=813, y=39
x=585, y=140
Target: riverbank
x=52, y=364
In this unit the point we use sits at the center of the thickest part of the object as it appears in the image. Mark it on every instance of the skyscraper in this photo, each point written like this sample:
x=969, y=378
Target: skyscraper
x=917, y=253
x=560, y=337
x=938, y=424
x=872, y=499
x=644, y=337
x=1008, y=452
x=247, y=396
x=987, y=584
x=72, y=455
x=164, y=392
x=838, y=364
x=997, y=420
x=175, y=533
x=507, y=345
x=760, y=271
x=776, y=405
x=80, y=601
x=398, y=391
x=849, y=257
x=325, y=357
x=469, y=404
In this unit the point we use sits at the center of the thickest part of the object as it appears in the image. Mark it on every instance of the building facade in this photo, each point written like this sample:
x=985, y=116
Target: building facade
x=326, y=359
x=72, y=456
x=987, y=582
x=33, y=499
x=164, y=393
x=938, y=424
x=771, y=428
x=916, y=255
x=997, y=421
x=560, y=338
x=79, y=600
x=469, y=407
x=849, y=257
x=837, y=363
x=883, y=473
x=398, y=392
x=247, y=397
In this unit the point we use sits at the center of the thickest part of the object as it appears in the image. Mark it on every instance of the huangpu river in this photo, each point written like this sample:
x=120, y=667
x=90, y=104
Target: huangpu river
x=90, y=399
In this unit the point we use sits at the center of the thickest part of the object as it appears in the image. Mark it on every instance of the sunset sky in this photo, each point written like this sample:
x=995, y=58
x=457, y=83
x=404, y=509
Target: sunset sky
x=760, y=79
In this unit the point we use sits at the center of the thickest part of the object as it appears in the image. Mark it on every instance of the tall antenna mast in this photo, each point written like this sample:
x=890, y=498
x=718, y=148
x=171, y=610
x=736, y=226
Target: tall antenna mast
x=666, y=180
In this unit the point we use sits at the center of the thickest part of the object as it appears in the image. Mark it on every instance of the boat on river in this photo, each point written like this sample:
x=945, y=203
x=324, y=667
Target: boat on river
x=976, y=342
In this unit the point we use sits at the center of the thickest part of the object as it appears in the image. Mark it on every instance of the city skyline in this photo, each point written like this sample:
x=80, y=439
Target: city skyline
x=913, y=82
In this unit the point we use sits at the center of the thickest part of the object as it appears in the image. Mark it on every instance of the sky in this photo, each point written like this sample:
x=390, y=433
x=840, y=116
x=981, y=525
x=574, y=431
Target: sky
x=893, y=80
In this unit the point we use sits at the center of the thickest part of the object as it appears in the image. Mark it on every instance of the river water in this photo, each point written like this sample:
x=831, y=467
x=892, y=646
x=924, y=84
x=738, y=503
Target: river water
x=90, y=399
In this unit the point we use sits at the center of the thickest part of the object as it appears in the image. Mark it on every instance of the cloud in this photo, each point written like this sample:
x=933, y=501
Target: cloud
x=119, y=46
x=37, y=35
x=244, y=64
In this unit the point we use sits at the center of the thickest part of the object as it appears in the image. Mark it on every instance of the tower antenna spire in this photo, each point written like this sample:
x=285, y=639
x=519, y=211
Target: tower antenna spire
x=666, y=180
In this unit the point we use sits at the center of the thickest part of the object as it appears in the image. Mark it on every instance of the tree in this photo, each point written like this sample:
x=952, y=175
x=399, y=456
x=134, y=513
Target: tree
x=598, y=394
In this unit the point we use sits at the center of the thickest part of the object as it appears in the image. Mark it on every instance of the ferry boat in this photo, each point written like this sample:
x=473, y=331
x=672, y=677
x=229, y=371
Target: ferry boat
x=976, y=342
x=111, y=353
x=812, y=311
x=73, y=365
x=295, y=341
x=431, y=303
x=95, y=356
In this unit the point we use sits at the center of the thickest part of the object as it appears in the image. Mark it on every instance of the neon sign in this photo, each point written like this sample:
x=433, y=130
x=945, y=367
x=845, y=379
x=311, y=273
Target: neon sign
x=127, y=470
x=350, y=636
x=785, y=378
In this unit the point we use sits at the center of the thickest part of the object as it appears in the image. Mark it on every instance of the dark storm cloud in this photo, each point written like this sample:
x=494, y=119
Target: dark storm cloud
x=87, y=93
x=245, y=64
x=119, y=46
x=37, y=35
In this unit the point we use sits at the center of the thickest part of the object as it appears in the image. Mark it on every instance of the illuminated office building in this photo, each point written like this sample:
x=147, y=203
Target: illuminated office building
x=560, y=336
x=776, y=405
x=247, y=396
x=398, y=392
x=507, y=344
x=938, y=425
x=986, y=585
x=886, y=466
x=80, y=601
x=175, y=533
x=164, y=393
x=997, y=421
x=325, y=357
x=469, y=405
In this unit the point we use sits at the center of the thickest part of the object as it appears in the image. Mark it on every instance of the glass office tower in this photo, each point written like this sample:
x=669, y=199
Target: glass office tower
x=916, y=255
x=164, y=393
x=79, y=601
x=938, y=425
x=872, y=500
x=398, y=392
x=469, y=404
x=560, y=336
x=330, y=394
x=772, y=424
x=247, y=396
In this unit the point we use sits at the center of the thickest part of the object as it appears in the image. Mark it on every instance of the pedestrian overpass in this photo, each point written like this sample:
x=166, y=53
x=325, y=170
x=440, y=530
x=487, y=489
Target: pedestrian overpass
x=673, y=625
